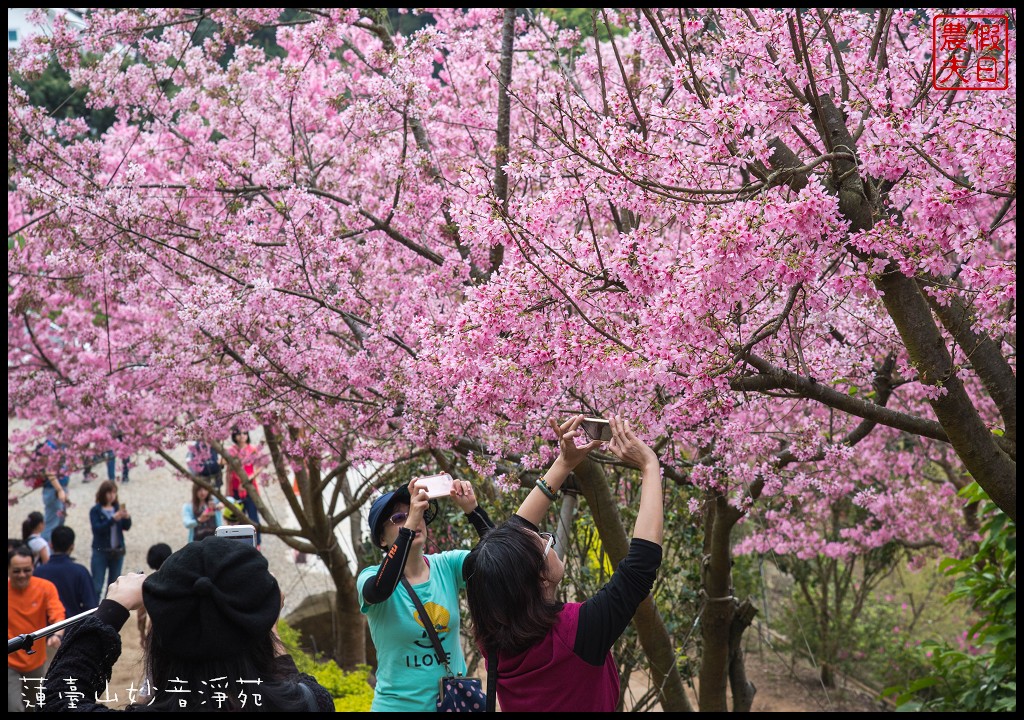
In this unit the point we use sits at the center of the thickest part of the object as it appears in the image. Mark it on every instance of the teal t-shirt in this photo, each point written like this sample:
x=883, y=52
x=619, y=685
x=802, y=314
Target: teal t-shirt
x=407, y=669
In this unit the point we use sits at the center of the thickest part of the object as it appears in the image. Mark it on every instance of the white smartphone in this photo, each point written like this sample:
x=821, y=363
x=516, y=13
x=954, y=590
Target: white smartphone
x=436, y=485
x=245, y=533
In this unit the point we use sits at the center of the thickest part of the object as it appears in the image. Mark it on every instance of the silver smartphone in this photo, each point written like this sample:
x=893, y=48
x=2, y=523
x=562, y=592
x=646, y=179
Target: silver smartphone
x=245, y=533
x=597, y=428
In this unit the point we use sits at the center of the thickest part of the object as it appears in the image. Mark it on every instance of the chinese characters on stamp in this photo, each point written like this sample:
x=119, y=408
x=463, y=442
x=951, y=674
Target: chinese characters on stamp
x=970, y=52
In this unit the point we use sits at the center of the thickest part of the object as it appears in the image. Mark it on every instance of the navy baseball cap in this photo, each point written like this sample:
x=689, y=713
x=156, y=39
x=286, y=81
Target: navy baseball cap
x=380, y=511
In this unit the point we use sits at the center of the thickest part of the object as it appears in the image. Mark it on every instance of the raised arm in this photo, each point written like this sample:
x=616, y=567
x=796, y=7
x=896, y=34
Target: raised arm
x=536, y=504
x=650, y=518
x=57, y=487
x=604, y=616
x=380, y=586
x=462, y=495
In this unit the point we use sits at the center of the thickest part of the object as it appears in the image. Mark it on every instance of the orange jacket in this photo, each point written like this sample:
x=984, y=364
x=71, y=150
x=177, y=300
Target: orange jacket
x=32, y=609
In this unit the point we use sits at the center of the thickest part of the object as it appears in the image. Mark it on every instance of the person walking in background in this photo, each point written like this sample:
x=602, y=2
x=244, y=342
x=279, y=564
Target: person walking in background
x=32, y=604
x=55, y=487
x=109, y=522
x=155, y=557
x=246, y=453
x=204, y=461
x=407, y=669
x=202, y=515
x=551, y=656
x=32, y=536
x=73, y=581
x=110, y=459
x=214, y=607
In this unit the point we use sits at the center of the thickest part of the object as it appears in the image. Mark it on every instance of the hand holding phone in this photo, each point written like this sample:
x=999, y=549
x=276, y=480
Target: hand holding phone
x=437, y=486
x=597, y=428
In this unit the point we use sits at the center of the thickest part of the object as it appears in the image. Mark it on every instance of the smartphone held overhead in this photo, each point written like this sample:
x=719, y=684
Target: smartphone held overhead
x=437, y=486
x=597, y=428
x=245, y=533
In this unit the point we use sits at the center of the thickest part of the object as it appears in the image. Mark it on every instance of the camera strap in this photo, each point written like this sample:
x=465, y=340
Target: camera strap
x=442, y=656
x=439, y=649
x=428, y=624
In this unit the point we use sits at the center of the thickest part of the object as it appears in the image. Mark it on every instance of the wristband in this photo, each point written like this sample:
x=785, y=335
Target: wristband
x=551, y=494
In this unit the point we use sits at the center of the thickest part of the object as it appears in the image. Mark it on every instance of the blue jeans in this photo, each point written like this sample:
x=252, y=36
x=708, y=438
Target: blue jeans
x=249, y=505
x=105, y=562
x=111, y=460
x=112, y=466
x=53, y=511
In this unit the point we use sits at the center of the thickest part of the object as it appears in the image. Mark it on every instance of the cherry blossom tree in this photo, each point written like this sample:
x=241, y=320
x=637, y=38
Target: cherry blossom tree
x=793, y=255
x=760, y=235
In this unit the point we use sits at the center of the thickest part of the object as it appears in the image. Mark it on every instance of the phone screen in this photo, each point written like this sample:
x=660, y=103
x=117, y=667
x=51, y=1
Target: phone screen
x=597, y=428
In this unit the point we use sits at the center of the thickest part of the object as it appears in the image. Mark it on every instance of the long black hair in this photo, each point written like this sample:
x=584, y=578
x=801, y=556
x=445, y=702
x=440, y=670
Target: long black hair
x=30, y=523
x=167, y=673
x=505, y=590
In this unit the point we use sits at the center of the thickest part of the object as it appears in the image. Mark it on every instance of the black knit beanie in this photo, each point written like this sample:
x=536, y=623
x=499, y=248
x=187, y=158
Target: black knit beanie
x=212, y=599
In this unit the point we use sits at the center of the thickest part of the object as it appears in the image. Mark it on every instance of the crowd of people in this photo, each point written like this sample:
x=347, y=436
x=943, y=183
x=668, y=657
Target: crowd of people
x=210, y=609
x=47, y=585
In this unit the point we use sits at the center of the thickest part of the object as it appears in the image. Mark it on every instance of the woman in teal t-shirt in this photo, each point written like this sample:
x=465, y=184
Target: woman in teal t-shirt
x=407, y=667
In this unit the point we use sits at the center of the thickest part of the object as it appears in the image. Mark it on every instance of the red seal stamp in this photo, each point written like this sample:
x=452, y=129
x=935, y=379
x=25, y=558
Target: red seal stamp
x=970, y=52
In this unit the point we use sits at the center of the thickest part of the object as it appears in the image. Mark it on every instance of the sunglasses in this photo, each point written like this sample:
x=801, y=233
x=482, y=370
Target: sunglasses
x=399, y=518
x=549, y=540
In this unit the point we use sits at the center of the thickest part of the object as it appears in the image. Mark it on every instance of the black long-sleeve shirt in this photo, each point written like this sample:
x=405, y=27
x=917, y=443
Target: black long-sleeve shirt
x=86, y=658
x=380, y=587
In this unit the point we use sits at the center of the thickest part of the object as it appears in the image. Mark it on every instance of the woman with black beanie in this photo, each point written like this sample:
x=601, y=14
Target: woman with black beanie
x=212, y=644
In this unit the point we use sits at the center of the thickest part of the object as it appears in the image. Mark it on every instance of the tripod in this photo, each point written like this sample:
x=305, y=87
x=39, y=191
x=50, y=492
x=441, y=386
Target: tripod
x=24, y=642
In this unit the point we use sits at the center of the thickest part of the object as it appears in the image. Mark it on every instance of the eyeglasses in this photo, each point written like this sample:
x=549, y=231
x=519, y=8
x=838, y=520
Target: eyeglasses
x=399, y=518
x=549, y=540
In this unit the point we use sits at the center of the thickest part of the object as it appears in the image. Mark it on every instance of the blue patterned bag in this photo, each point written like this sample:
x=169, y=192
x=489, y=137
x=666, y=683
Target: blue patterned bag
x=461, y=694
x=454, y=692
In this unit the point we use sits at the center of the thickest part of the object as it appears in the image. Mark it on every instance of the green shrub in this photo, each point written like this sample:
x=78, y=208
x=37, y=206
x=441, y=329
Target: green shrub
x=350, y=690
x=979, y=675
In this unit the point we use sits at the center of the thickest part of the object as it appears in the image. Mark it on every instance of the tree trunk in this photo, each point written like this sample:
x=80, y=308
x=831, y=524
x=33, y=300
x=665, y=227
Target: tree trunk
x=318, y=530
x=719, y=604
x=653, y=634
x=502, y=141
x=743, y=691
x=828, y=676
x=974, y=443
x=723, y=619
x=349, y=622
